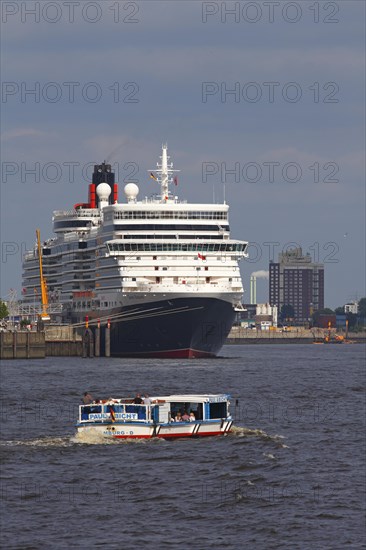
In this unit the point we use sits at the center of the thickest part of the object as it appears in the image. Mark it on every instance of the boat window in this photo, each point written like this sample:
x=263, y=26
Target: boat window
x=197, y=408
x=90, y=409
x=140, y=410
x=155, y=413
x=218, y=410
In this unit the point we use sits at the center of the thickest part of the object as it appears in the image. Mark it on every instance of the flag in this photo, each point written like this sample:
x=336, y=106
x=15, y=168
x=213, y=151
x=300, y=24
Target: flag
x=152, y=176
x=24, y=291
x=175, y=180
x=112, y=413
x=201, y=257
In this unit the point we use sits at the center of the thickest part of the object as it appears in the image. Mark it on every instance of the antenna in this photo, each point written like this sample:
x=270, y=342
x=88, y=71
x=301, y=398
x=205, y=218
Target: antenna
x=164, y=171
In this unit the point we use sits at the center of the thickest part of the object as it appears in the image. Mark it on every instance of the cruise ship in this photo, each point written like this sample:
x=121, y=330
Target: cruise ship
x=163, y=273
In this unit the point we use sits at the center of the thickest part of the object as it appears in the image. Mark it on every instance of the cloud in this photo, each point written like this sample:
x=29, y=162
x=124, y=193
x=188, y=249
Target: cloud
x=23, y=133
x=211, y=63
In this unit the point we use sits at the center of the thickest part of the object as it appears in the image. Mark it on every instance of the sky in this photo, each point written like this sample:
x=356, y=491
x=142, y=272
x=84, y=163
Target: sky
x=261, y=103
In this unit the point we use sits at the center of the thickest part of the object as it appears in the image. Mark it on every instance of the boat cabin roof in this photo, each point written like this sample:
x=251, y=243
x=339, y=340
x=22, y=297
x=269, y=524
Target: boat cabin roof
x=176, y=398
x=193, y=398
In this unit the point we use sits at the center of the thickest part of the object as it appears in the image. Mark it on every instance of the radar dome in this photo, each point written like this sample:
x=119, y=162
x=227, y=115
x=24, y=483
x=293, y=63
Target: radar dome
x=131, y=191
x=103, y=191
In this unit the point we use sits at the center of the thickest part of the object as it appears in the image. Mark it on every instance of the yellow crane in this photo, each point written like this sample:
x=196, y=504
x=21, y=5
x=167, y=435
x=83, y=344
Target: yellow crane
x=44, y=293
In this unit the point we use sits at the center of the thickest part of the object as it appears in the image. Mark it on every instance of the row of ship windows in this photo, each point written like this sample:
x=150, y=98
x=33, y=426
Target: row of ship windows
x=81, y=246
x=170, y=227
x=78, y=224
x=72, y=223
x=160, y=214
x=94, y=304
x=169, y=236
x=172, y=247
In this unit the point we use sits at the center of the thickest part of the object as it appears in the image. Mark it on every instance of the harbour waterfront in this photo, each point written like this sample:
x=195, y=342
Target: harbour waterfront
x=64, y=341
x=290, y=476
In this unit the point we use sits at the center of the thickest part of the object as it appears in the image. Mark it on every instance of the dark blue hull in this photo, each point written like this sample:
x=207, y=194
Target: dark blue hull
x=181, y=327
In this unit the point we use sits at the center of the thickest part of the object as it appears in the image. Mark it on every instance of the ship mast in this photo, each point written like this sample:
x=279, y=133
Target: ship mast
x=165, y=174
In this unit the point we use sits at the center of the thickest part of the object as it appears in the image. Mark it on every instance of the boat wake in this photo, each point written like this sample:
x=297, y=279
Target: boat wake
x=39, y=442
x=94, y=437
x=88, y=437
x=240, y=431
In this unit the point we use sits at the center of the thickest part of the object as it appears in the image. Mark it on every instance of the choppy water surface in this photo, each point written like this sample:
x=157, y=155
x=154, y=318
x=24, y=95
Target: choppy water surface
x=290, y=476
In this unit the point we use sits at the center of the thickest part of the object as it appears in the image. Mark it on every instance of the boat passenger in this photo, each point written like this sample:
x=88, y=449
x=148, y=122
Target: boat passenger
x=178, y=417
x=138, y=399
x=87, y=398
x=192, y=417
x=185, y=416
x=147, y=399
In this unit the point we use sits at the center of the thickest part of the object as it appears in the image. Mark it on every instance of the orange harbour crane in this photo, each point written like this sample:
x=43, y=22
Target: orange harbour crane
x=44, y=292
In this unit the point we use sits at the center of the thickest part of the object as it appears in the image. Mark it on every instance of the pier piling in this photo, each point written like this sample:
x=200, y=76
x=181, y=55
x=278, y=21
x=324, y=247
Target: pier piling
x=107, y=339
x=88, y=343
x=97, y=342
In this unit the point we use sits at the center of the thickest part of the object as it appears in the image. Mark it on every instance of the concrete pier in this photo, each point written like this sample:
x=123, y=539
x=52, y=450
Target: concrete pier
x=297, y=335
x=64, y=348
x=63, y=341
x=22, y=345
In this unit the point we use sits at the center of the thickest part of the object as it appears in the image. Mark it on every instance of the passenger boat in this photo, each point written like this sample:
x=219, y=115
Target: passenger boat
x=160, y=417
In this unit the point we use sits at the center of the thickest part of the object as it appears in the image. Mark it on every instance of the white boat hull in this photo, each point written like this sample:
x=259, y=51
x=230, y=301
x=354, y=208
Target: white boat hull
x=164, y=431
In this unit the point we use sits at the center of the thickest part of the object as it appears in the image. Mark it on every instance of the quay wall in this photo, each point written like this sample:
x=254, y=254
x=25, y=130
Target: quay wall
x=22, y=345
x=240, y=335
x=65, y=341
x=55, y=341
x=268, y=340
x=64, y=348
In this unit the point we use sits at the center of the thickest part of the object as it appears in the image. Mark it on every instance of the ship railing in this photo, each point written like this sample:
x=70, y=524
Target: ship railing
x=32, y=309
x=115, y=412
x=80, y=213
x=156, y=198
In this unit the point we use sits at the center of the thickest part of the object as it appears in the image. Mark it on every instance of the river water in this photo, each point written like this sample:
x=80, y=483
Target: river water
x=290, y=476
